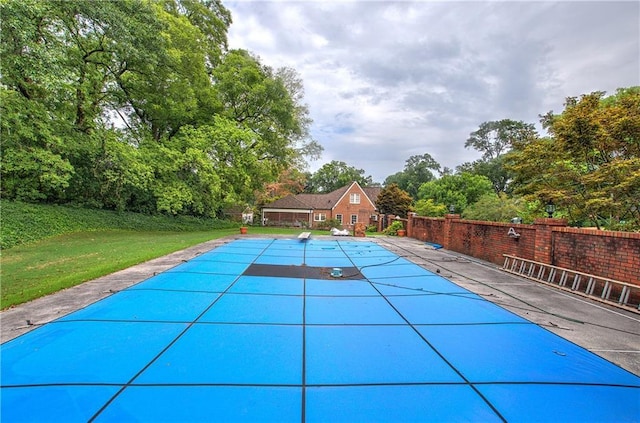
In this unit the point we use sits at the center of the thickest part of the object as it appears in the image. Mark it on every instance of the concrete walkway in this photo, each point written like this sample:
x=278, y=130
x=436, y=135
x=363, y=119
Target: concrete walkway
x=607, y=331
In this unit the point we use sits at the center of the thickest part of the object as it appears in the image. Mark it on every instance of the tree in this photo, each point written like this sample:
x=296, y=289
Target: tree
x=334, y=175
x=498, y=208
x=494, y=139
x=203, y=169
x=138, y=105
x=459, y=190
x=417, y=170
x=494, y=169
x=590, y=166
x=33, y=164
x=269, y=103
x=60, y=61
x=290, y=182
x=428, y=207
x=166, y=85
x=393, y=200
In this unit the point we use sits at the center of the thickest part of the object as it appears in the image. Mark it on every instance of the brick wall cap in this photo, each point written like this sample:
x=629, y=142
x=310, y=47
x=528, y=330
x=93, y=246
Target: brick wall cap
x=550, y=221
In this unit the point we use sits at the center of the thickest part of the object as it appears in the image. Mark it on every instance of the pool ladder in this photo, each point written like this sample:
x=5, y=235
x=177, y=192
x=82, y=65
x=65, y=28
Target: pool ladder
x=609, y=291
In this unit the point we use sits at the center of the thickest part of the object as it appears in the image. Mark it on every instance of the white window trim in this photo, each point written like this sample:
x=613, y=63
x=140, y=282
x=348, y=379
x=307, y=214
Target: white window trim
x=319, y=217
x=353, y=221
x=339, y=218
x=354, y=198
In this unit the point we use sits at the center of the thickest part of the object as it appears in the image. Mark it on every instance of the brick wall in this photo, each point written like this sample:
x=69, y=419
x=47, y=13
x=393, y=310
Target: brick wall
x=431, y=230
x=489, y=240
x=614, y=255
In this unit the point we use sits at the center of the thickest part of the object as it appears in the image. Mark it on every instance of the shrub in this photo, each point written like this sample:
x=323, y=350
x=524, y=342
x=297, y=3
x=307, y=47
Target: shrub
x=328, y=224
x=393, y=228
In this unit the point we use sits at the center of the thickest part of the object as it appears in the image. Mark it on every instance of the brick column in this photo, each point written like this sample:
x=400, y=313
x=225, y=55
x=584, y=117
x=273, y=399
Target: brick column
x=448, y=220
x=543, y=248
x=410, y=224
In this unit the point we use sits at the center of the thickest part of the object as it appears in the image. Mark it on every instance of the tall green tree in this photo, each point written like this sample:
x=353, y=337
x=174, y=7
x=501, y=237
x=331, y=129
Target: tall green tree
x=34, y=167
x=459, y=190
x=138, y=105
x=334, y=175
x=494, y=139
x=270, y=104
x=168, y=84
x=418, y=169
x=58, y=63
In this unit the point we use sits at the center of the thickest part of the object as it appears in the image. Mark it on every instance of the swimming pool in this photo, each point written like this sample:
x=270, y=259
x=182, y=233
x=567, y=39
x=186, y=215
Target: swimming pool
x=259, y=330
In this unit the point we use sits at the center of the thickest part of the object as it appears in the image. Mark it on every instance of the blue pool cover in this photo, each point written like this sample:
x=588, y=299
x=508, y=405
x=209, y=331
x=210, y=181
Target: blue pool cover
x=204, y=342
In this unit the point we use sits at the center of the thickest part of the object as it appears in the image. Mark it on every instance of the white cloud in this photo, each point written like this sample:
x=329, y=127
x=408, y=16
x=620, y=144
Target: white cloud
x=387, y=80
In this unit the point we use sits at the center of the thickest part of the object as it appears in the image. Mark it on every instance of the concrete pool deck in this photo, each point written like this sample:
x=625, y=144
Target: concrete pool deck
x=611, y=333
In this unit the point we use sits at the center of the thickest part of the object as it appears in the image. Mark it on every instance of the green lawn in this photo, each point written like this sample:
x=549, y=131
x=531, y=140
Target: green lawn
x=33, y=270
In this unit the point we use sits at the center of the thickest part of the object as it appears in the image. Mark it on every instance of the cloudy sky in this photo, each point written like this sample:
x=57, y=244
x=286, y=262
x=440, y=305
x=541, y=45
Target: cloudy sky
x=388, y=80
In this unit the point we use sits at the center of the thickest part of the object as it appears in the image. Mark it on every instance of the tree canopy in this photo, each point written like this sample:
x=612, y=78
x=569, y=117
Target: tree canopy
x=590, y=164
x=457, y=191
x=393, y=200
x=494, y=140
x=418, y=169
x=136, y=105
x=334, y=175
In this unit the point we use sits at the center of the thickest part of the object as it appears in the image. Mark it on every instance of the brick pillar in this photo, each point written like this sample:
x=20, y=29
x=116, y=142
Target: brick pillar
x=543, y=248
x=448, y=220
x=410, y=224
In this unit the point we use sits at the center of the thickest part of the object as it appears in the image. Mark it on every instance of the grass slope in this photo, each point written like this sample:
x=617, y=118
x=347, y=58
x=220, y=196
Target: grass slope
x=55, y=247
x=23, y=223
x=46, y=248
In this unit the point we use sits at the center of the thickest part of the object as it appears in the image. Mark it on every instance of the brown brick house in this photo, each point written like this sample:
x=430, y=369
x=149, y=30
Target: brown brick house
x=349, y=204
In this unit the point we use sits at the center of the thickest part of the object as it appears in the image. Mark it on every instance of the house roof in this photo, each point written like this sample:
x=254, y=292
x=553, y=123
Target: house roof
x=372, y=193
x=320, y=201
x=288, y=202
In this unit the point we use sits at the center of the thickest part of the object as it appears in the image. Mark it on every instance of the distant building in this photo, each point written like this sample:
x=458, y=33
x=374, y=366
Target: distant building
x=349, y=205
x=242, y=214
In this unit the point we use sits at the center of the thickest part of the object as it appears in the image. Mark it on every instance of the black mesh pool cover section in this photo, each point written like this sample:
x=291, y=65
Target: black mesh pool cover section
x=300, y=272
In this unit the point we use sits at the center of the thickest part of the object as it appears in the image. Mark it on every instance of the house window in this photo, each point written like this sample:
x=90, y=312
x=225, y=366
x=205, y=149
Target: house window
x=319, y=217
x=339, y=218
x=354, y=219
x=354, y=198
